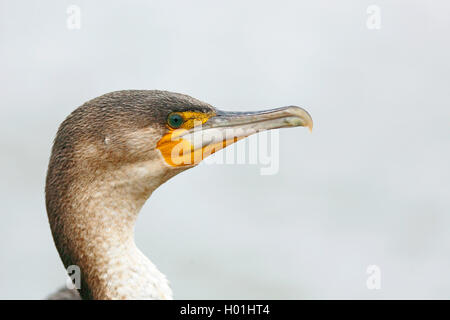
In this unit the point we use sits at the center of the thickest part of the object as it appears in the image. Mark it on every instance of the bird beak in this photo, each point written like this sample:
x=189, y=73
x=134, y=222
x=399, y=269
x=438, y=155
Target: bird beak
x=189, y=147
x=291, y=116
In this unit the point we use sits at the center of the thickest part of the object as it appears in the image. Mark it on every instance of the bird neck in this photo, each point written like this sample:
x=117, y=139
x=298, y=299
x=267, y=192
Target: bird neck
x=117, y=269
x=94, y=229
x=112, y=266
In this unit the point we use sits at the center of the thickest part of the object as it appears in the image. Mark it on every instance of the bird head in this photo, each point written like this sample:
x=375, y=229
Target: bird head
x=112, y=152
x=158, y=133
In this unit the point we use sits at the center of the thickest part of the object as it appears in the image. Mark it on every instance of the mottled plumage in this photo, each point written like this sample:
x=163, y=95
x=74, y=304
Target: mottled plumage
x=104, y=166
x=102, y=169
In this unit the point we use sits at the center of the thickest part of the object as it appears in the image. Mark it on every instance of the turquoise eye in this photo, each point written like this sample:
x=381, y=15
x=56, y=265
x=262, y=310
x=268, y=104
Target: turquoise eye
x=175, y=120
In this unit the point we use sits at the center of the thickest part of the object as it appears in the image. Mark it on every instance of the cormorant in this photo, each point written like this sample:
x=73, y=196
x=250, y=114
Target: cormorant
x=109, y=155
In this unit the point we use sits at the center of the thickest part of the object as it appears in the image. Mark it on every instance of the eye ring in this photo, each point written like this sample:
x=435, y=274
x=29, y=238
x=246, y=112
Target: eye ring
x=175, y=120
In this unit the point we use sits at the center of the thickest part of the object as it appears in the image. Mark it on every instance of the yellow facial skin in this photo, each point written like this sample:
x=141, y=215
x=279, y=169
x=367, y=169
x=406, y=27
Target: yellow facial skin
x=192, y=118
x=178, y=152
x=186, y=144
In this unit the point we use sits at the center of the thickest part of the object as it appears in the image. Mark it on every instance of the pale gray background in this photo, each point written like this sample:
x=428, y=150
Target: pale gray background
x=371, y=185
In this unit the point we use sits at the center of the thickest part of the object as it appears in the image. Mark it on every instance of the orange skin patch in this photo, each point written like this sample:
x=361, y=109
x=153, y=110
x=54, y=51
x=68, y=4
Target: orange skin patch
x=178, y=152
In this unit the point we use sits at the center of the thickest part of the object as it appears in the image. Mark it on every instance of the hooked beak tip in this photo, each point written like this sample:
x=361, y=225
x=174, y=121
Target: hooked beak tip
x=302, y=116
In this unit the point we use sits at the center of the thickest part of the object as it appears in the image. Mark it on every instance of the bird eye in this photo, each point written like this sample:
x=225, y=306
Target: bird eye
x=175, y=120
